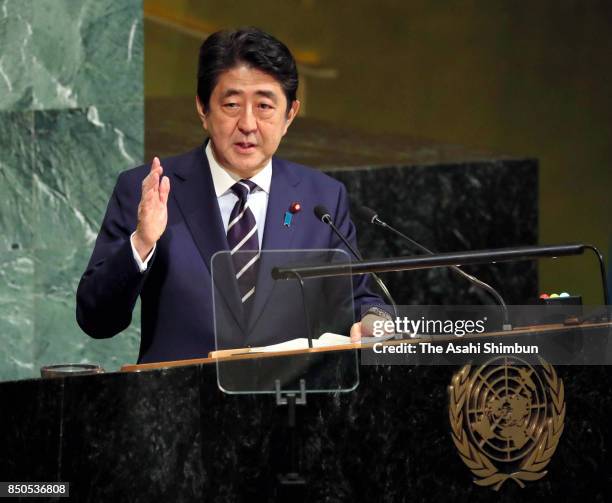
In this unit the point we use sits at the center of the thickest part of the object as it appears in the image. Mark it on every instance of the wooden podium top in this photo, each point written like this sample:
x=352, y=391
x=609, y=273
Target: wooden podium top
x=248, y=353
x=234, y=354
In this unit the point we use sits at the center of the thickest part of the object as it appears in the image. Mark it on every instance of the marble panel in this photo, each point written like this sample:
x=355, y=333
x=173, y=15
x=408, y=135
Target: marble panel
x=31, y=425
x=57, y=336
x=155, y=452
x=78, y=155
x=389, y=440
x=16, y=315
x=451, y=207
x=71, y=118
x=16, y=131
x=87, y=53
x=16, y=38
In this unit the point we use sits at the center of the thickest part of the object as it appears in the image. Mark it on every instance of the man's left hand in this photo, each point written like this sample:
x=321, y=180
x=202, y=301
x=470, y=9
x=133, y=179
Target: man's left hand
x=365, y=327
x=356, y=332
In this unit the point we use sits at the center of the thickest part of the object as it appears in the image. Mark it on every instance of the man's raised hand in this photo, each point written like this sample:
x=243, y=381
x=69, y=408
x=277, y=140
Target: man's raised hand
x=152, y=210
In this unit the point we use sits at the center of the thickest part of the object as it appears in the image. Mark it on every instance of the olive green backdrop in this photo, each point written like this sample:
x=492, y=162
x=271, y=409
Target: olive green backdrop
x=521, y=78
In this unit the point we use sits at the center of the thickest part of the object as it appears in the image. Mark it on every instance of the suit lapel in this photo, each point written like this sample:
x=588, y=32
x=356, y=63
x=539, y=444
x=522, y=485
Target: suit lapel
x=194, y=192
x=277, y=236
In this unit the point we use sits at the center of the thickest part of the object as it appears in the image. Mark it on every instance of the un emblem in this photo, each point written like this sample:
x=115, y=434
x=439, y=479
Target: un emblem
x=506, y=419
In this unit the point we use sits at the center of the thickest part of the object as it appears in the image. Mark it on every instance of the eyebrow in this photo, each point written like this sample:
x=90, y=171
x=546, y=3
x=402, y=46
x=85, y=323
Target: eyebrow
x=236, y=92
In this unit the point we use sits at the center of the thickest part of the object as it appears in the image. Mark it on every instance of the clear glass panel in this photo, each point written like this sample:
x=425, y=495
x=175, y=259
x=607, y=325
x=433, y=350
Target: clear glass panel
x=287, y=335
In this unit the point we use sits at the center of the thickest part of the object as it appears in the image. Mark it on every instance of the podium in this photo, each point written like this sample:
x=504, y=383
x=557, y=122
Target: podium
x=166, y=432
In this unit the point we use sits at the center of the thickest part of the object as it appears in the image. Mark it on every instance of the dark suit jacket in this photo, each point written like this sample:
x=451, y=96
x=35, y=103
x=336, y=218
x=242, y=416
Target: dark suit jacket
x=178, y=300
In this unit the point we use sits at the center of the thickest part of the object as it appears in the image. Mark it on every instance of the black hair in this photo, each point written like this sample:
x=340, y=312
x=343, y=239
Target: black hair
x=226, y=49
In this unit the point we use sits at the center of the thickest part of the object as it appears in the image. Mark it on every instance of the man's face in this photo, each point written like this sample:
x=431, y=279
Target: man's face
x=246, y=119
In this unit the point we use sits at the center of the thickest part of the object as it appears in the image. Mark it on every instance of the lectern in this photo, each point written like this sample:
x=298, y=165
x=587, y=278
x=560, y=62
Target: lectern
x=167, y=431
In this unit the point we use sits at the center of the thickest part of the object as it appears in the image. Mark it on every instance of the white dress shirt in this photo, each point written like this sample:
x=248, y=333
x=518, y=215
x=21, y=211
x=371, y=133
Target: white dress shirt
x=223, y=180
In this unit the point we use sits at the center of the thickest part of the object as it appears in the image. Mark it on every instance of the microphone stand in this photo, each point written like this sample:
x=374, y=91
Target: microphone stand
x=327, y=219
x=472, y=279
x=433, y=261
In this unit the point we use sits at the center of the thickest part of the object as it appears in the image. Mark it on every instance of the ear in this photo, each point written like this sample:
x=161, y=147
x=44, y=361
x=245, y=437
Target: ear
x=293, y=111
x=201, y=112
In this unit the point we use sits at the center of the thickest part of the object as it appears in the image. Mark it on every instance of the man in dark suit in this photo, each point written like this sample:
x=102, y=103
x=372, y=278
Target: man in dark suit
x=164, y=225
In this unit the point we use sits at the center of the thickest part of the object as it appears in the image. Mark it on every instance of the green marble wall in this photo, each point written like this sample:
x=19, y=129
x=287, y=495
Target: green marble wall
x=71, y=118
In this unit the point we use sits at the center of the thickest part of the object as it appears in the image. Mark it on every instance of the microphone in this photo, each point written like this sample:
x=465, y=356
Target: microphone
x=368, y=214
x=322, y=214
x=371, y=216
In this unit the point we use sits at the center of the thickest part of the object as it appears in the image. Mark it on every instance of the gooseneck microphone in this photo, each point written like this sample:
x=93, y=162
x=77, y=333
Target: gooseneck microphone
x=322, y=214
x=371, y=216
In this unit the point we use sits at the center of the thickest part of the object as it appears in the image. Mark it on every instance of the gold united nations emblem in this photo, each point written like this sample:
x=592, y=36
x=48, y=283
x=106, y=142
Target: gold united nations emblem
x=506, y=418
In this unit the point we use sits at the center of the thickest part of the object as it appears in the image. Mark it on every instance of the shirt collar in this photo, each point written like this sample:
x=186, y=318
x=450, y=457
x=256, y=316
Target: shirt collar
x=223, y=179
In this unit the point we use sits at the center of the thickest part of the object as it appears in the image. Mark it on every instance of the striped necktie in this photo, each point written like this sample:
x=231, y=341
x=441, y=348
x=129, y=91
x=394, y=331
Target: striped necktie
x=243, y=242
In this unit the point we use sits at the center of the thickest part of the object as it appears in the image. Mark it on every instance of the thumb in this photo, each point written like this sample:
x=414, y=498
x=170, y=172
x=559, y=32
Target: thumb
x=356, y=332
